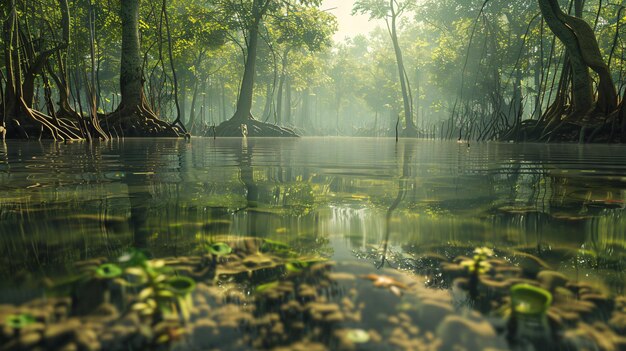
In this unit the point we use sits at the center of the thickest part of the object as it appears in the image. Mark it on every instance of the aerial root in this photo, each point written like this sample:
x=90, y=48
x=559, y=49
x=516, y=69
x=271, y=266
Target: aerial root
x=139, y=121
x=37, y=121
x=256, y=128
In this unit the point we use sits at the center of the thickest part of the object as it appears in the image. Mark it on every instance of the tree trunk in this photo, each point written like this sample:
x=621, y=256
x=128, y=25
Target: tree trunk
x=244, y=103
x=408, y=113
x=192, y=108
x=582, y=46
x=131, y=85
x=269, y=96
x=179, y=116
x=223, y=100
x=12, y=64
x=288, y=102
x=281, y=83
x=134, y=116
x=306, y=109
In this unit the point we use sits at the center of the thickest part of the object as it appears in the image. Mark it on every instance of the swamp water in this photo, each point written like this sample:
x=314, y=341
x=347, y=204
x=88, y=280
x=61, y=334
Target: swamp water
x=311, y=244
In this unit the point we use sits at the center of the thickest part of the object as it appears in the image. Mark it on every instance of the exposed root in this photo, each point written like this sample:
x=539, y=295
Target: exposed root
x=33, y=124
x=590, y=129
x=256, y=128
x=138, y=121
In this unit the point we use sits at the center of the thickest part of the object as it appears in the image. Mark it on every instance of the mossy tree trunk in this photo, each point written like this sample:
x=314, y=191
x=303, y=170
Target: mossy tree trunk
x=577, y=112
x=244, y=103
x=133, y=116
x=584, y=53
x=131, y=86
x=243, y=114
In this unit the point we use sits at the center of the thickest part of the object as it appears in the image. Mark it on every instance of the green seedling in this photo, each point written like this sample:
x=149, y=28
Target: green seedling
x=297, y=266
x=476, y=267
x=18, y=322
x=162, y=293
x=529, y=305
x=219, y=249
x=108, y=271
x=263, y=288
x=277, y=248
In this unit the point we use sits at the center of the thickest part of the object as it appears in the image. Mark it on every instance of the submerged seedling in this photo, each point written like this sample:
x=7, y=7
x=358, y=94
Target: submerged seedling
x=476, y=267
x=180, y=286
x=276, y=247
x=18, y=322
x=297, y=266
x=263, y=288
x=219, y=249
x=108, y=271
x=162, y=293
x=529, y=305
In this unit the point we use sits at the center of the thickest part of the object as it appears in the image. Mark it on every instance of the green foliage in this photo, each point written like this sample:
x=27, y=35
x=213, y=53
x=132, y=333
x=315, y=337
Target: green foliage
x=162, y=293
x=108, y=271
x=297, y=266
x=19, y=321
x=263, y=288
x=478, y=265
x=453, y=50
x=530, y=300
x=219, y=249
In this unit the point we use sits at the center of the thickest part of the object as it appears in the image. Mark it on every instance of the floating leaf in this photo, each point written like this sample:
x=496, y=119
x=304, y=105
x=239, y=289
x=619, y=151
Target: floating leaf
x=108, y=271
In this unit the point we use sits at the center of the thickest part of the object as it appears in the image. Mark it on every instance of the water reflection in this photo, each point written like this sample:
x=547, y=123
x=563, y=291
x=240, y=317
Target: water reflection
x=63, y=203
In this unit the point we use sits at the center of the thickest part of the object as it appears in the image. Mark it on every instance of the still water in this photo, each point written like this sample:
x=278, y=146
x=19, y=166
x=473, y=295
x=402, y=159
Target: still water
x=369, y=201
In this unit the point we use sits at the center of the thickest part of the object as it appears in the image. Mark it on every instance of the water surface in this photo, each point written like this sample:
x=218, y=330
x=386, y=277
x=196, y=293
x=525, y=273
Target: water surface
x=320, y=228
x=67, y=202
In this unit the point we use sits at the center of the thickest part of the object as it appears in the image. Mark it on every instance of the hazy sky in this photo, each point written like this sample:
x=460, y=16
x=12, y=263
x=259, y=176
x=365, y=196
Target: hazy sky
x=348, y=25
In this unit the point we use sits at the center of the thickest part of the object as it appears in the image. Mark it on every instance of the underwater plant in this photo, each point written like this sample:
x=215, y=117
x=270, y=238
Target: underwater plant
x=162, y=292
x=17, y=322
x=297, y=266
x=217, y=251
x=529, y=305
x=477, y=266
x=108, y=274
x=277, y=248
